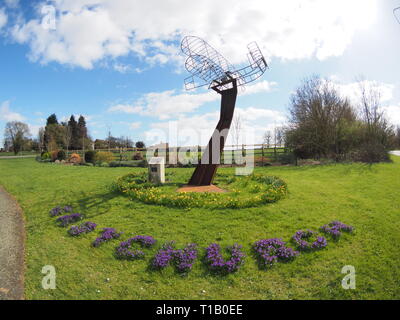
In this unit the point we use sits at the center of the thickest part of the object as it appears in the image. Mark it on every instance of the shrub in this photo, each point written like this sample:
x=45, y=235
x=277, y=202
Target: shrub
x=286, y=158
x=104, y=156
x=46, y=156
x=137, y=156
x=132, y=163
x=90, y=156
x=371, y=153
x=61, y=155
x=54, y=155
x=75, y=158
x=140, y=145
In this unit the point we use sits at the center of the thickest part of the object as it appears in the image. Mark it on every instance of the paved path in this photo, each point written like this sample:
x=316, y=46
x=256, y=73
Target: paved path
x=12, y=238
x=396, y=153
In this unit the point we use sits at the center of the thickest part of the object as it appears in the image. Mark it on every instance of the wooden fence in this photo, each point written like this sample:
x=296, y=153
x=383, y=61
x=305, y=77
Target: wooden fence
x=263, y=153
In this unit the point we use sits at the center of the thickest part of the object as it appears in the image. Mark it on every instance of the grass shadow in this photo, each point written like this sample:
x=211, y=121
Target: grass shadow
x=100, y=201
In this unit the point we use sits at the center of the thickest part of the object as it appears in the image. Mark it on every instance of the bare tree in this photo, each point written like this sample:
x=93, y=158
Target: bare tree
x=237, y=129
x=319, y=117
x=67, y=136
x=378, y=135
x=16, y=133
x=267, y=138
x=279, y=136
x=41, y=139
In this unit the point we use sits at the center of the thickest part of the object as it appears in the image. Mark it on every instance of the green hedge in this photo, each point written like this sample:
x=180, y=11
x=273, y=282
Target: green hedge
x=132, y=163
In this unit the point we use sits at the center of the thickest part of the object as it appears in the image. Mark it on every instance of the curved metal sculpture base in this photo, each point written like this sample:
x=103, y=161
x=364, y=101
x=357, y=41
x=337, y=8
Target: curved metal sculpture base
x=206, y=169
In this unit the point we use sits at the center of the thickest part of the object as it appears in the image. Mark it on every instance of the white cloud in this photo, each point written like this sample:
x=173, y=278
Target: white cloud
x=34, y=129
x=353, y=90
x=91, y=30
x=167, y=104
x=7, y=115
x=125, y=108
x=3, y=18
x=135, y=125
x=393, y=114
x=197, y=129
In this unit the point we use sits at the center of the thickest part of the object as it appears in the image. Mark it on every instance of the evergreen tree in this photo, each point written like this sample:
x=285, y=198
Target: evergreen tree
x=73, y=125
x=52, y=119
x=82, y=132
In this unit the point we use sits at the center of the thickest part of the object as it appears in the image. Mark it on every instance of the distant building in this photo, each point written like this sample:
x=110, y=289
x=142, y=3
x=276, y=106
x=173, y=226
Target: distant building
x=160, y=146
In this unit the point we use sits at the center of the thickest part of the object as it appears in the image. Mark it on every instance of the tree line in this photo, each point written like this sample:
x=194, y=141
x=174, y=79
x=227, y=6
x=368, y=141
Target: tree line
x=68, y=135
x=325, y=124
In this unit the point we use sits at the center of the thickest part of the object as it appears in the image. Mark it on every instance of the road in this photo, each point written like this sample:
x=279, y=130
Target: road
x=396, y=153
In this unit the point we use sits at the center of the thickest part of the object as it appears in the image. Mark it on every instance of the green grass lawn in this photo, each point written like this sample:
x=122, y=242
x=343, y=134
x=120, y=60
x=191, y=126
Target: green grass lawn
x=366, y=197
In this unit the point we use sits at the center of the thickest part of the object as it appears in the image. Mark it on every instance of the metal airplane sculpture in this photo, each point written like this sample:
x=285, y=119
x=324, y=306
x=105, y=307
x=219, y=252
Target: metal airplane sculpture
x=208, y=67
x=396, y=13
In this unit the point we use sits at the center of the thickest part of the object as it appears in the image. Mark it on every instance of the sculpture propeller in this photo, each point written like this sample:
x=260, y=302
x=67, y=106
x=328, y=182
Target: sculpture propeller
x=208, y=67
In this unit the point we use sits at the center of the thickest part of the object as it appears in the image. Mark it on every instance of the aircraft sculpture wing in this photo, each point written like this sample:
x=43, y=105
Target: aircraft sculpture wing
x=208, y=67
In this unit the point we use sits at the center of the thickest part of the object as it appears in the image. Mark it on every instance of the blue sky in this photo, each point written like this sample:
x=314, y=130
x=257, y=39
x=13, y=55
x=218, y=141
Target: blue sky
x=119, y=62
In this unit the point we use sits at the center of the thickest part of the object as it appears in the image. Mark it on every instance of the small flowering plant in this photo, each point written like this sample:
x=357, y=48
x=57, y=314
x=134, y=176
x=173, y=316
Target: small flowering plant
x=271, y=251
x=218, y=264
x=64, y=221
x=56, y=211
x=125, y=251
x=303, y=240
x=335, y=229
x=106, y=235
x=85, y=227
x=182, y=259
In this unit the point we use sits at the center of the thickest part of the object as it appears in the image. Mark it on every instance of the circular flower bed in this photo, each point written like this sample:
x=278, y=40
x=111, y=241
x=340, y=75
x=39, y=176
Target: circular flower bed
x=250, y=191
x=303, y=240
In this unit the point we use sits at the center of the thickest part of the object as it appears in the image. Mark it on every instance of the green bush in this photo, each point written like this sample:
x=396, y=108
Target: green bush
x=132, y=163
x=46, y=156
x=61, y=155
x=137, y=156
x=103, y=156
x=90, y=156
x=286, y=158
